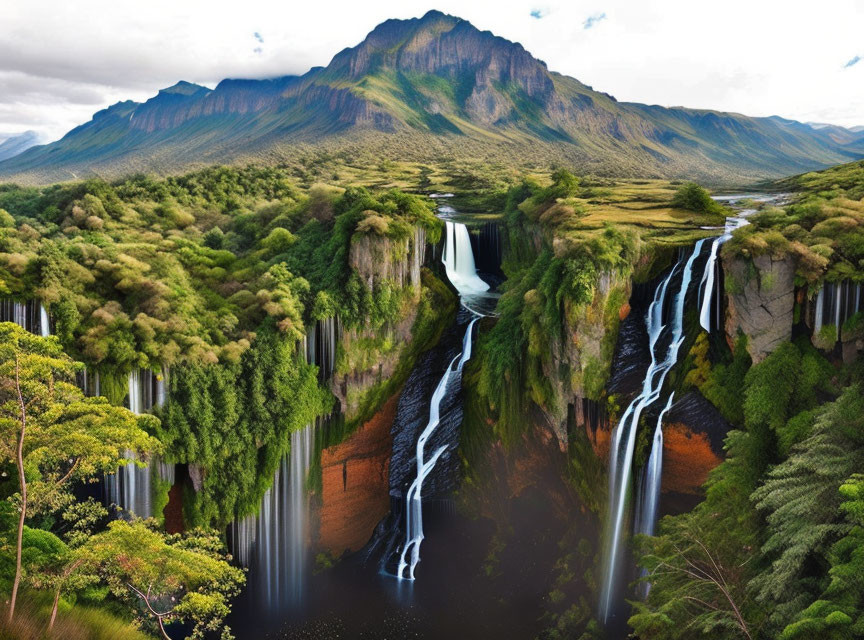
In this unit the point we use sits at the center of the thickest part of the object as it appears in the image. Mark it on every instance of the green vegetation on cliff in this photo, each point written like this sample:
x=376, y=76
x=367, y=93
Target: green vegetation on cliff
x=822, y=227
x=214, y=276
x=774, y=549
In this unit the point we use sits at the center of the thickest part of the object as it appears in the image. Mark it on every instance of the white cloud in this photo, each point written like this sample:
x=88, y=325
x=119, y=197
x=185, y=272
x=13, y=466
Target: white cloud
x=61, y=61
x=590, y=21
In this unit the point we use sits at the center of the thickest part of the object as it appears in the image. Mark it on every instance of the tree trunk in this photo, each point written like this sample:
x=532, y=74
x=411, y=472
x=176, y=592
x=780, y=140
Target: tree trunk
x=19, y=461
x=54, y=609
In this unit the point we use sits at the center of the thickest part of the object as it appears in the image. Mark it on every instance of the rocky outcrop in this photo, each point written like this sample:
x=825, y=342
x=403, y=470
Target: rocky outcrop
x=377, y=258
x=761, y=300
x=693, y=436
x=369, y=356
x=354, y=484
x=580, y=362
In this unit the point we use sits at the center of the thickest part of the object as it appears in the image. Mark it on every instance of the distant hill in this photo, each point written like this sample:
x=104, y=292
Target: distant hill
x=428, y=88
x=12, y=145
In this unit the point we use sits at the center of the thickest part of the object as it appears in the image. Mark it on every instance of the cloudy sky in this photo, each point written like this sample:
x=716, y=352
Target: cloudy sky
x=61, y=61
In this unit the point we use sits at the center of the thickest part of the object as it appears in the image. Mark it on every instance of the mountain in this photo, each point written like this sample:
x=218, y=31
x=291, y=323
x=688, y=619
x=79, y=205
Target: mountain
x=12, y=145
x=427, y=88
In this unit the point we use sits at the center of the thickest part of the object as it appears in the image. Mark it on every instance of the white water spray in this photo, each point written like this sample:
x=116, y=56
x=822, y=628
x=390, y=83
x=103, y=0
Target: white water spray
x=458, y=261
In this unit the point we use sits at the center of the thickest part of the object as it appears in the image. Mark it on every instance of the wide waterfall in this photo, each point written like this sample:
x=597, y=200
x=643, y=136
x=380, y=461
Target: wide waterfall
x=273, y=543
x=835, y=303
x=30, y=315
x=458, y=261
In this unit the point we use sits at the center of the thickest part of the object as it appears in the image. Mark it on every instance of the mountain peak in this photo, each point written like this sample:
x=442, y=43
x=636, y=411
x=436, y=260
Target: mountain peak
x=184, y=88
x=436, y=75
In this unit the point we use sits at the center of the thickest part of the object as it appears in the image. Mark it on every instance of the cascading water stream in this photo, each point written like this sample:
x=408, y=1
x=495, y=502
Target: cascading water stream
x=647, y=518
x=708, y=277
x=624, y=438
x=624, y=435
x=458, y=260
x=414, y=497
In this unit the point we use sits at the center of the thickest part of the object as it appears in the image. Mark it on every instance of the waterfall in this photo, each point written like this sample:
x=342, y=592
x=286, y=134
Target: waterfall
x=44, y=324
x=709, y=275
x=459, y=264
x=319, y=346
x=647, y=518
x=30, y=315
x=624, y=435
x=88, y=382
x=459, y=260
x=835, y=303
x=414, y=497
x=130, y=488
x=820, y=306
x=273, y=543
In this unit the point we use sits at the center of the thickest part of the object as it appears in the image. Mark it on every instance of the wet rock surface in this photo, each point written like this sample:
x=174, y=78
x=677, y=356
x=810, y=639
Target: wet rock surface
x=412, y=416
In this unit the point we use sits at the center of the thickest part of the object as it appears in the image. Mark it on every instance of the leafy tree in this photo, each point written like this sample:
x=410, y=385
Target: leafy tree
x=801, y=503
x=693, y=197
x=703, y=594
x=838, y=613
x=167, y=578
x=52, y=432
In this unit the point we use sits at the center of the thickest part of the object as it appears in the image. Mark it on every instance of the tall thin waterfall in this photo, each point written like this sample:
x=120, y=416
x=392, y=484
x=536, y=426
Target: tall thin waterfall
x=709, y=275
x=130, y=488
x=44, y=323
x=459, y=264
x=624, y=435
x=646, y=518
x=414, y=497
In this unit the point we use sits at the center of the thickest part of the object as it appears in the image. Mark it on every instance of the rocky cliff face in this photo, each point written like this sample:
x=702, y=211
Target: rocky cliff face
x=761, y=300
x=370, y=355
x=354, y=485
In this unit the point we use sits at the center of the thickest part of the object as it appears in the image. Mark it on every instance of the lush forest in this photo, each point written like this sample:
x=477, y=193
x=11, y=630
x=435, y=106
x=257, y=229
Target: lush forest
x=210, y=279
x=214, y=279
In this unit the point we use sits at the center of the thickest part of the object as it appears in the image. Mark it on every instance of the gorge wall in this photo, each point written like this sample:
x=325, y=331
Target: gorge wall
x=368, y=355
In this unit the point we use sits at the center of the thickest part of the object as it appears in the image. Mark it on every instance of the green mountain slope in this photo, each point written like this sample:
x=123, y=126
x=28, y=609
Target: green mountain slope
x=415, y=87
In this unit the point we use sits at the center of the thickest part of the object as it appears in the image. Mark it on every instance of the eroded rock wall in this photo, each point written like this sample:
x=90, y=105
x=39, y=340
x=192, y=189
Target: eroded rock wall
x=761, y=301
